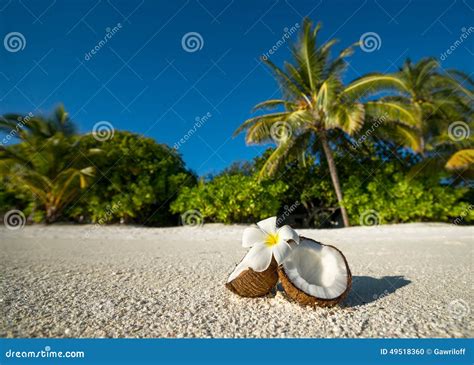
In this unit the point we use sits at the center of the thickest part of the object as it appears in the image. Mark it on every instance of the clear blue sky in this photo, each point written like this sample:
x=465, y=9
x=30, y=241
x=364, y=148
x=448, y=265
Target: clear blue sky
x=143, y=80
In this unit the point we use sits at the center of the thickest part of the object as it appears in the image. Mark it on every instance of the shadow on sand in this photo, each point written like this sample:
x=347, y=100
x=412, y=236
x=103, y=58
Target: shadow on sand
x=366, y=289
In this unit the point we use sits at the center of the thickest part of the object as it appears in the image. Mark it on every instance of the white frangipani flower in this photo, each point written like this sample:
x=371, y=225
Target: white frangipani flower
x=266, y=241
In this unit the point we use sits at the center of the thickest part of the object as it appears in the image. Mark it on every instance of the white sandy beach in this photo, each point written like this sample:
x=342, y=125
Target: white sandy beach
x=410, y=280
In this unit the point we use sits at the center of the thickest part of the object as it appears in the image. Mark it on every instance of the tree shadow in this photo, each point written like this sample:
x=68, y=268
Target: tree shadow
x=366, y=289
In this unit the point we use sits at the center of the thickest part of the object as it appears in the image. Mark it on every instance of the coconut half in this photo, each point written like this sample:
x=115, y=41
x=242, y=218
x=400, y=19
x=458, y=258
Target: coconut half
x=315, y=274
x=247, y=282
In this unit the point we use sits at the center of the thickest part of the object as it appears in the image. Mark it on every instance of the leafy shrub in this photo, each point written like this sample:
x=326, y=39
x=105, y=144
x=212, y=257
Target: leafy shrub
x=136, y=179
x=396, y=198
x=231, y=198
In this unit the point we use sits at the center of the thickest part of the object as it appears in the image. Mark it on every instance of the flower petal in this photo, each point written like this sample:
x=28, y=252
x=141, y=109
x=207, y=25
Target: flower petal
x=258, y=258
x=253, y=235
x=268, y=225
x=287, y=233
x=281, y=251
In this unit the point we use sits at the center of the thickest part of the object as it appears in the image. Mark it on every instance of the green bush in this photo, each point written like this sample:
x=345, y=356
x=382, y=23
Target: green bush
x=232, y=198
x=136, y=179
x=394, y=197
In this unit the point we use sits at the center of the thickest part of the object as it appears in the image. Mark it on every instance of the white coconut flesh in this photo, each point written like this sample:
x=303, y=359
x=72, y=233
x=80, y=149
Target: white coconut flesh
x=318, y=270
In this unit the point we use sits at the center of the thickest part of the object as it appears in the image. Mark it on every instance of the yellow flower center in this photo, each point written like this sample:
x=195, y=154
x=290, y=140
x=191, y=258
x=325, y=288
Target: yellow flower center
x=272, y=239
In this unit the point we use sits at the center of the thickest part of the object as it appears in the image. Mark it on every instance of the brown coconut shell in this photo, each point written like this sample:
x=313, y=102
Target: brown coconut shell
x=304, y=298
x=253, y=284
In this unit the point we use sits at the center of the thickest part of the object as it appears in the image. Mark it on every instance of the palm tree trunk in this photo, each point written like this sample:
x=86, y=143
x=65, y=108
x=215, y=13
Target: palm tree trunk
x=334, y=177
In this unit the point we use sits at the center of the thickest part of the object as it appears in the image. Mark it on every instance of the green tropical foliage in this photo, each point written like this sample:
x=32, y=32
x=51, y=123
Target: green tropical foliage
x=233, y=197
x=315, y=102
x=136, y=181
x=46, y=163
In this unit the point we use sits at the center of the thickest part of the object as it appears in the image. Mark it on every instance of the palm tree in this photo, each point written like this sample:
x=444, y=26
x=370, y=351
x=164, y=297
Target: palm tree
x=46, y=162
x=315, y=102
x=440, y=98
